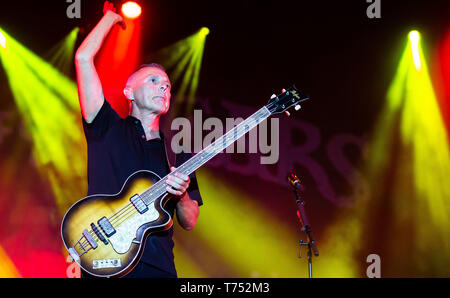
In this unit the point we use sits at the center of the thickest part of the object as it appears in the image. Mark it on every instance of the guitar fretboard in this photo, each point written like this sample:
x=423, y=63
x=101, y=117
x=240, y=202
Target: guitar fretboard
x=196, y=161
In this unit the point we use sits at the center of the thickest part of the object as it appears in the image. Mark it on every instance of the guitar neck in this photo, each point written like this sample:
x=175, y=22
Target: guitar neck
x=195, y=162
x=223, y=142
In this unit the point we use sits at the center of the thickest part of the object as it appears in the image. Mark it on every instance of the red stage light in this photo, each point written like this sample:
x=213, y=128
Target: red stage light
x=131, y=10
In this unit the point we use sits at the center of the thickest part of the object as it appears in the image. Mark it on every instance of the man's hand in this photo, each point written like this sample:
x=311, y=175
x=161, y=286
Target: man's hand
x=187, y=209
x=177, y=183
x=108, y=8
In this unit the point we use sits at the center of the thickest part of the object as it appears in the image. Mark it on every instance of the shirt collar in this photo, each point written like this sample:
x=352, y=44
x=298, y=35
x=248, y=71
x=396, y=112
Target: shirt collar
x=135, y=121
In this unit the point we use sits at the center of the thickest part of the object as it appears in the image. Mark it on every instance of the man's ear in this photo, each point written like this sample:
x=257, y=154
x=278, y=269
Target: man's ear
x=128, y=92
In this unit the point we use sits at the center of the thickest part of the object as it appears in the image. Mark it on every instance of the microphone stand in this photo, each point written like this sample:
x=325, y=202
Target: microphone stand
x=306, y=228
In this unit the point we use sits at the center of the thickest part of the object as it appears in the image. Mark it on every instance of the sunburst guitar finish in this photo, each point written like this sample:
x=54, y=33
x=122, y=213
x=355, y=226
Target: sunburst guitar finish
x=105, y=234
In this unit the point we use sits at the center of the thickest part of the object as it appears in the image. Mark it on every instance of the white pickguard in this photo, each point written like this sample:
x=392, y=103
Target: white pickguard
x=126, y=232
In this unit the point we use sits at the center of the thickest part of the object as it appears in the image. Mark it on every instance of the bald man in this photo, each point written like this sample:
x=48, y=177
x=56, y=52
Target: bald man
x=119, y=147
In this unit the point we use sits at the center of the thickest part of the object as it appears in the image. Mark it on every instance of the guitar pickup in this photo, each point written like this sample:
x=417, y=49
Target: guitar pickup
x=98, y=233
x=139, y=204
x=106, y=226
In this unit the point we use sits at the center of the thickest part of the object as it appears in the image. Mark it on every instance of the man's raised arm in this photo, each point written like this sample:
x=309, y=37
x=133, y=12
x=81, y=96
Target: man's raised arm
x=89, y=86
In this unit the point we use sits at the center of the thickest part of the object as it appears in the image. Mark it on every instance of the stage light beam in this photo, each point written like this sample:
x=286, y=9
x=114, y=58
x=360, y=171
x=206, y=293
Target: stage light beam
x=253, y=250
x=410, y=145
x=204, y=31
x=183, y=61
x=131, y=10
x=414, y=37
x=2, y=40
x=47, y=101
x=406, y=163
x=61, y=55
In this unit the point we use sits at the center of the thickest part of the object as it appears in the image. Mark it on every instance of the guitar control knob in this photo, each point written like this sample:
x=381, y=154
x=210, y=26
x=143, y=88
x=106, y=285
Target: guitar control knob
x=297, y=107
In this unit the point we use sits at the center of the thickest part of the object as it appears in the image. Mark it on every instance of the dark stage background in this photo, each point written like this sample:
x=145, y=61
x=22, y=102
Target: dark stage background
x=358, y=203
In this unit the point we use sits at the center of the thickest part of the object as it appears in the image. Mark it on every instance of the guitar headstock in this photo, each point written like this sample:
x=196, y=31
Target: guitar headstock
x=285, y=100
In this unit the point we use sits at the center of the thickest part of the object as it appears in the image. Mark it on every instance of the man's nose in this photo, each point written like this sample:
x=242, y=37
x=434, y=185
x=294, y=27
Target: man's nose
x=163, y=88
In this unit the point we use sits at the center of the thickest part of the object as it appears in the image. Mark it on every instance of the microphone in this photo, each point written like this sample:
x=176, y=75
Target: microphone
x=294, y=181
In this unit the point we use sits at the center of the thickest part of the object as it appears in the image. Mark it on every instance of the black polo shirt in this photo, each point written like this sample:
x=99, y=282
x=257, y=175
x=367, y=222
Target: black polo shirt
x=117, y=148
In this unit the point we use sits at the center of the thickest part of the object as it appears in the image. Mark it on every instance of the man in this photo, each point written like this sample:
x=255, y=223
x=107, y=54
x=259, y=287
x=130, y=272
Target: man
x=119, y=147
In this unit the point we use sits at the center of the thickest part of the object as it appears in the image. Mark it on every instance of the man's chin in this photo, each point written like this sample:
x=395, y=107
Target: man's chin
x=157, y=108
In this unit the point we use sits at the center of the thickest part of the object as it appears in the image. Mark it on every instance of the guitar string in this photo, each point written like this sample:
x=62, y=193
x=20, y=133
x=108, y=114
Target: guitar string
x=121, y=215
x=226, y=137
x=116, y=213
x=187, y=168
x=238, y=131
x=131, y=212
x=124, y=213
x=122, y=210
x=94, y=235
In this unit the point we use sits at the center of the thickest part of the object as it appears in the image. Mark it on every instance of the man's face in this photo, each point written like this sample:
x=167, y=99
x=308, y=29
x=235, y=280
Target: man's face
x=151, y=89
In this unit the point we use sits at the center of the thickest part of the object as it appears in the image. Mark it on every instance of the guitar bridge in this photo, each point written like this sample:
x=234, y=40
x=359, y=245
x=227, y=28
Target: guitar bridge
x=82, y=246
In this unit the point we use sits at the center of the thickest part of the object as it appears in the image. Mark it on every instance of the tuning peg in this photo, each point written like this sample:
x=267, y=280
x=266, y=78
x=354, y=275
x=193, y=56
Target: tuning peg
x=297, y=107
x=287, y=113
x=273, y=96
